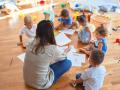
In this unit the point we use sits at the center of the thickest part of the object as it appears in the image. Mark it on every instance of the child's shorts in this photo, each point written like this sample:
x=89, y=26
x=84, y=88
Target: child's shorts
x=83, y=40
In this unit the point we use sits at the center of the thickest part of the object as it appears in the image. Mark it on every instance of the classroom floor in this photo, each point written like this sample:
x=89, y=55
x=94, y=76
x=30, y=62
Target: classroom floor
x=11, y=77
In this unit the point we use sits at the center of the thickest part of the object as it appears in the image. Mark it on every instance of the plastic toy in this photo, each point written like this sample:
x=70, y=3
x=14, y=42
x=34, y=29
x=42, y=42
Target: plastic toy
x=21, y=14
x=75, y=15
x=77, y=5
x=42, y=2
x=34, y=17
x=63, y=5
x=117, y=40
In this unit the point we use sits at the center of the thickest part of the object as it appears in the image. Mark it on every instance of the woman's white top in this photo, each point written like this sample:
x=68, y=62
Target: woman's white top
x=37, y=72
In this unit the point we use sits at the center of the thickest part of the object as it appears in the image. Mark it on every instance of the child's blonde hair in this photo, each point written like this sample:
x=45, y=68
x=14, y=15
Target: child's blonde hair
x=27, y=19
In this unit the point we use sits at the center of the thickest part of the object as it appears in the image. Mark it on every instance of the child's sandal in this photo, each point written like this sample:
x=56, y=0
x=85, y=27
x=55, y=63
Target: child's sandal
x=73, y=84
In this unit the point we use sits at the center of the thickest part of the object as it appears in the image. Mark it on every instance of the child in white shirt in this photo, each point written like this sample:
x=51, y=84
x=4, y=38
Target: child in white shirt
x=93, y=77
x=29, y=29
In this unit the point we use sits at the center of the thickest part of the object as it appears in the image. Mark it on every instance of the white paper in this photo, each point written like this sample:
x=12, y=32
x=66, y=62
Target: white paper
x=62, y=39
x=76, y=58
x=21, y=57
x=68, y=31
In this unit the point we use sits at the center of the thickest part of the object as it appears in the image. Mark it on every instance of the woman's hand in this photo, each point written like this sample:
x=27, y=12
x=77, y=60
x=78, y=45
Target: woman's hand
x=67, y=50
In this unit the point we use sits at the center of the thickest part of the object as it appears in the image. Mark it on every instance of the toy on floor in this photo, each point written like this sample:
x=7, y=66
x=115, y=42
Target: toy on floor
x=115, y=29
x=42, y=2
x=103, y=9
x=9, y=5
x=21, y=14
x=34, y=17
x=117, y=59
x=75, y=15
x=80, y=5
x=63, y=5
x=5, y=11
x=117, y=40
x=75, y=5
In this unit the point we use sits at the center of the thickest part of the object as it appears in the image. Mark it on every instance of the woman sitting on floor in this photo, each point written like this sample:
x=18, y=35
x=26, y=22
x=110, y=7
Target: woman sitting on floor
x=44, y=64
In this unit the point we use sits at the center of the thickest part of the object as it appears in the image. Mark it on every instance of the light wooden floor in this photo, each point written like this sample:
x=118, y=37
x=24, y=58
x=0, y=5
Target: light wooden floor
x=11, y=73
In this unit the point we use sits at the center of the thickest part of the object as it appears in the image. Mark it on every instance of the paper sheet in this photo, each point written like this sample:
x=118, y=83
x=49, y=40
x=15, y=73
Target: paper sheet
x=68, y=31
x=21, y=57
x=76, y=58
x=62, y=39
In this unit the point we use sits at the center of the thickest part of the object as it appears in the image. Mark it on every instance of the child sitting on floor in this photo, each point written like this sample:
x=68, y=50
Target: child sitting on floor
x=65, y=20
x=100, y=43
x=93, y=77
x=85, y=34
x=29, y=29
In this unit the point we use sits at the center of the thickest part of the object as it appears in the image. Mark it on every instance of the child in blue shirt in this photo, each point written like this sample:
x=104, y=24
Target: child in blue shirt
x=85, y=34
x=65, y=20
x=100, y=43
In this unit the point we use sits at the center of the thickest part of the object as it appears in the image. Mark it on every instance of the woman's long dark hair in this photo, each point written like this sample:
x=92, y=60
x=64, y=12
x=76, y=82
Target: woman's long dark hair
x=44, y=36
